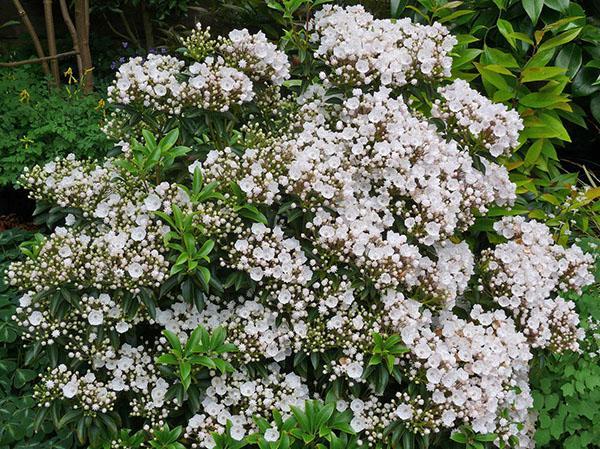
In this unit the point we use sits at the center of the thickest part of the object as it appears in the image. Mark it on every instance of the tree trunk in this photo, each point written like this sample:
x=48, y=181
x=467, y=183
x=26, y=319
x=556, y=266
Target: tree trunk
x=51, y=40
x=148, y=31
x=34, y=37
x=82, y=24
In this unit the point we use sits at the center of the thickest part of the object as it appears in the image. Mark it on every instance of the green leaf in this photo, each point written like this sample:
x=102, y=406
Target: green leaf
x=541, y=100
x=459, y=437
x=561, y=39
x=569, y=58
x=167, y=359
x=595, y=107
x=506, y=29
x=557, y=5
x=568, y=389
x=173, y=340
x=169, y=140
x=531, y=74
x=23, y=376
x=149, y=139
x=533, y=8
x=207, y=247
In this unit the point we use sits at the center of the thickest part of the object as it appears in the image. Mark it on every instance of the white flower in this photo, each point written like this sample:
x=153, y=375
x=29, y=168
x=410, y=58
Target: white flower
x=95, y=318
x=36, y=318
x=238, y=433
x=25, y=300
x=404, y=412
x=122, y=327
x=70, y=389
x=135, y=270
x=271, y=434
x=138, y=233
x=354, y=370
x=152, y=202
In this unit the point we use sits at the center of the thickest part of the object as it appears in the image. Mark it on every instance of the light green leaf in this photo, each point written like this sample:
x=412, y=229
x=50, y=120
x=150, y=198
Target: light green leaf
x=506, y=29
x=541, y=100
x=561, y=39
x=531, y=74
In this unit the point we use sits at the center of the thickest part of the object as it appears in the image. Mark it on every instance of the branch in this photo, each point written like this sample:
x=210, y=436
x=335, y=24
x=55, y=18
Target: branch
x=37, y=60
x=132, y=36
x=118, y=33
x=34, y=37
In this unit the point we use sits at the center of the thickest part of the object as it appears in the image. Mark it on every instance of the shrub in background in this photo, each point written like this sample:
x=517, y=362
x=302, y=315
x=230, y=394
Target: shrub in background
x=38, y=124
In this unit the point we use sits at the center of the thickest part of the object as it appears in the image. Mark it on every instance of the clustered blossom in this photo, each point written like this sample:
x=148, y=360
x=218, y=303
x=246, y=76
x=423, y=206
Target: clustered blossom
x=254, y=55
x=132, y=369
x=216, y=86
x=152, y=83
x=365, y=203
x=526, y=272
x=100, y=313
x=223, y=75
x=250, y=326
x=361, y=49
x=466, y=110
x=239, y=398
x=473, y=371
x=266, y=253
x=90, y=395
x=122, y=245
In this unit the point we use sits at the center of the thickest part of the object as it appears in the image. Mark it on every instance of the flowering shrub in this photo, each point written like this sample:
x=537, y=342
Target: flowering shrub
x=307, y=270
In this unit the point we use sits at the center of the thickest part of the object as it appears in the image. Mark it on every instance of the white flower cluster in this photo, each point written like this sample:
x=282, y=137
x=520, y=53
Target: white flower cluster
x=266, y=253
x=120, y=243
x=239, y=398
x=152, y=82
x=370, y=417
x=84, y=331
x=132, y=369
x=251, y=327
x=254, y=55
x=473, y=370
x=526, y=272
x=215, y=86
x=468, y=112
x=361, y=49
x=88, y=393
x=217, y=82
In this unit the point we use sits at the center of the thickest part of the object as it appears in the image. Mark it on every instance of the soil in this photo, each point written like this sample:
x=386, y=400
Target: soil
x=13, y=221
x=16, y=209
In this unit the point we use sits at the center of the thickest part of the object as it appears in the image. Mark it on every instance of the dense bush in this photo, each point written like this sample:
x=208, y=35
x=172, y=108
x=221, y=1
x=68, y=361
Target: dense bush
x=38, y=124
x=330, y=246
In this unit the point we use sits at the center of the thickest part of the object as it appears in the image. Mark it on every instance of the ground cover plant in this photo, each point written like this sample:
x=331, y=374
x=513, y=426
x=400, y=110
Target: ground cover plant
x=40, y=123
x=314, y=242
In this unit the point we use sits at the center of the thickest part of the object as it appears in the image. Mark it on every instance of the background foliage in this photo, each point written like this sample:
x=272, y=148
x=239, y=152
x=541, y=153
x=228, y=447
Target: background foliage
x=38, y=123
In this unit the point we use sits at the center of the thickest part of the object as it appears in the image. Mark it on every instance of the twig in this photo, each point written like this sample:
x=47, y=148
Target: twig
x=132, y=36
x=114, y=30
x=38, y=60
x=51, y=40
x=34, y=37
